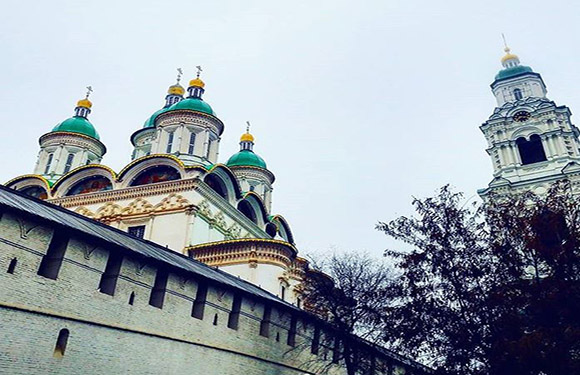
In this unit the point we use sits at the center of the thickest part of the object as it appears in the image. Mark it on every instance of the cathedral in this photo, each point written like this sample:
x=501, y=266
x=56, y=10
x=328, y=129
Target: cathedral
x=178, y=262
x=531, y=140
x=174, y=192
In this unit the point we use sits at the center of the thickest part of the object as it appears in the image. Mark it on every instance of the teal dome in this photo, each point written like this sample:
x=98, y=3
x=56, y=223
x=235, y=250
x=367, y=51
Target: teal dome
x=150, y=122
x=246, y=158
x=193, y=104
x=77, y=124
x=513, y=71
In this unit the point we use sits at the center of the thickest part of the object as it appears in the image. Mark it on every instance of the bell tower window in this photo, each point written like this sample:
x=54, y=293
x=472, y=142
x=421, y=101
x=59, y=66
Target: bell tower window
x=518, y=94
x=531, y=151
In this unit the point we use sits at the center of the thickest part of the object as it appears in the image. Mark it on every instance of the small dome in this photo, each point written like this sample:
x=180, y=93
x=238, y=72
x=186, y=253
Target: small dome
x=150, y=122
x=196, y=82
x=77, y=124
x=246, y=158
x=509, y=56
x=86, y=103
x=247, y=137
x=176, y=89
x=193, y=104
x=512, y=72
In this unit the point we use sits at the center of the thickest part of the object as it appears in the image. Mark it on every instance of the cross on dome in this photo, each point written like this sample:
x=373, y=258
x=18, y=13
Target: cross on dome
x=84, y=105
x=509, y=60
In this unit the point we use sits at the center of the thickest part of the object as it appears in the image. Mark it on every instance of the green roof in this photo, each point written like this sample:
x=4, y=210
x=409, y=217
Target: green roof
x=77, y=124
x=193, y=104
x=150, y=122
x=246, y=158
x=514, y=71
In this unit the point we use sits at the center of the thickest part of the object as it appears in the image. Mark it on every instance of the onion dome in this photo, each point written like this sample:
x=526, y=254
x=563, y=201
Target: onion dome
x=246, y=156
x=511, y=66
x=174, y=95
x=79, y=122
x=194, y=101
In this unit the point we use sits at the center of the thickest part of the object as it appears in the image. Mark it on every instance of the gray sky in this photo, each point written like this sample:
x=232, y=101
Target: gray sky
x=355, y=106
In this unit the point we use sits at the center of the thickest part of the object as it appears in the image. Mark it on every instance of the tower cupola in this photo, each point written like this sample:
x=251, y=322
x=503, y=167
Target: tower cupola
x=196, y=86
x=72, y=143
x=175, y=92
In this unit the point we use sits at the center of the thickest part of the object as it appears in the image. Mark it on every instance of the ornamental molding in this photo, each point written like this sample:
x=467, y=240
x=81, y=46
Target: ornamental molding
x=58, y=139
x=131, y=192
x=189, y=117
x=251, y=252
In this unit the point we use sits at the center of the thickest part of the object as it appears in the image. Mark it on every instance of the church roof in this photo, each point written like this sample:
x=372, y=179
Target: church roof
x=194, y=104
x=512, y=72
x=77, y=124
x=246, y=158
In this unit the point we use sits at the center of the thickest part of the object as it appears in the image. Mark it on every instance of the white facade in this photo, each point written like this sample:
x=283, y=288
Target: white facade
x=176, y=194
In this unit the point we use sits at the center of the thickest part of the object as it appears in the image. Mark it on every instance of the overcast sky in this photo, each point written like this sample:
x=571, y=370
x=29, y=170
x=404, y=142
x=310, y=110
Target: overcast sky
x=355, y=106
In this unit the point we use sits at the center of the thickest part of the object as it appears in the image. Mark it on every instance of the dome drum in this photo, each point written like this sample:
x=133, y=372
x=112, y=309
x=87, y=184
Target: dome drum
x=58, y=138
x=188, y=117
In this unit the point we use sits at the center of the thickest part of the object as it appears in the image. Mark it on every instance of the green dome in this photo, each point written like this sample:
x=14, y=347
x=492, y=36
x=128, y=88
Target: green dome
x=246, y=158
x=514, y=71
x=193, y=104
x=77, y=124
x=150, y=122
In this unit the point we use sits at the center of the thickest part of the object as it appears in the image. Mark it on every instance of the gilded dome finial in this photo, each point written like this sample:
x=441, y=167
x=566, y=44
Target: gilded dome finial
x=509, y=60
x=86, y=103
x=176, y=89
x=197, y=82
x=247, y=137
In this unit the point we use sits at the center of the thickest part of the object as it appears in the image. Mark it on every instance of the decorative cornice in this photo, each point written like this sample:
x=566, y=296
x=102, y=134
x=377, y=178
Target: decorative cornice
x=253, y=250
x=72, y=137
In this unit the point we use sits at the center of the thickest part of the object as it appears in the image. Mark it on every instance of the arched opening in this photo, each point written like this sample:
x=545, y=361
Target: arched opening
x=132, y=298
x=160, y=173
x=12, y=265
x=246, y=208
x=90, y=185
x=271, y=229
x=35, y=191
x=217, y=185
x=61, y=342
x=518, y=94
x=531, y=151
x=215, y=320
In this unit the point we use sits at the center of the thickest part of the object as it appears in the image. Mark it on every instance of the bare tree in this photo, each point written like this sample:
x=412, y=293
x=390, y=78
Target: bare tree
x=350, y=292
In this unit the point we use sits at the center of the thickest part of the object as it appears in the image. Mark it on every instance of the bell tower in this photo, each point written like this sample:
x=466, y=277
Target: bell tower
x=532, y=142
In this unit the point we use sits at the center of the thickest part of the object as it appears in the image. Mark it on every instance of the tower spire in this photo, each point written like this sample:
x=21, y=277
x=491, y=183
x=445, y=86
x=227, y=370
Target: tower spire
x=83, y=107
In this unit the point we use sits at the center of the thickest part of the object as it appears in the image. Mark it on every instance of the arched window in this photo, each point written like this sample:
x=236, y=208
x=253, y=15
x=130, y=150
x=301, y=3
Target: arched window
x=169, y=143
x=61, y=342
x=191, y=143
x=90, y=185
x=531, y=151
x=518, y=94
x=156, y=174
x=48, y=163
x=69, y=160
x=246, y=208
x=271, y=229
x=216, y=184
